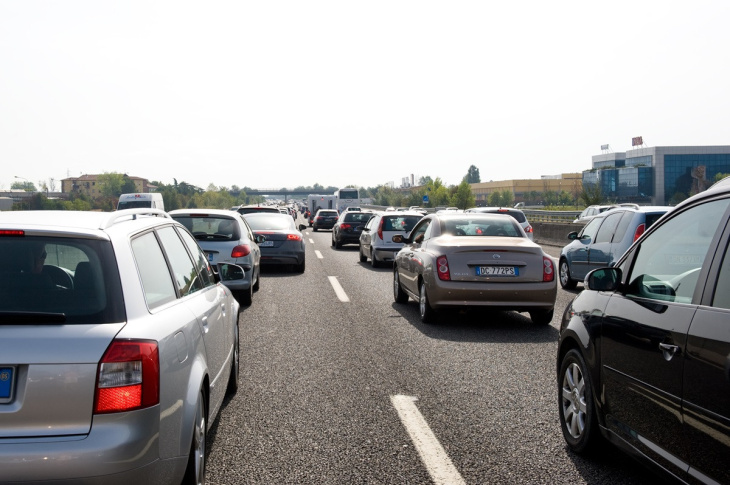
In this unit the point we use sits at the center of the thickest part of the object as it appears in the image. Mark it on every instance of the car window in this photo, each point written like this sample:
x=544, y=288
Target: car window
x=184, y=271
x=669, y=260
x=419, y=231
x=721, y=299
x=152, y=267
x=400, y=223
x=607, y=229
x=623, y=225
x=201, y=262
x=589, y=231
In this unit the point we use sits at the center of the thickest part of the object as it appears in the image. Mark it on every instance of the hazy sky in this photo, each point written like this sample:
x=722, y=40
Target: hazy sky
x=285, y=93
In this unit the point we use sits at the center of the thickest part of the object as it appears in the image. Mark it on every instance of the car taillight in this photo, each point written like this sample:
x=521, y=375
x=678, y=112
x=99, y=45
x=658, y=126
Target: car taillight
x=12, y=232
x=293, y=237
x=639, y=231
x=128, y=377
x=548, y=269
x=442, y=268
x=380, y=229
x=345, y=226
x=528, y=229
x=241, y=250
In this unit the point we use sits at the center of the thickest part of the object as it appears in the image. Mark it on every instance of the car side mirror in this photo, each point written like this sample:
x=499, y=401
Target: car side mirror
x=259, y=238
x=603, y=279
x=228, y=272
x=302, y=227
x=365, y=229
x=573, y=235
x=399, y=238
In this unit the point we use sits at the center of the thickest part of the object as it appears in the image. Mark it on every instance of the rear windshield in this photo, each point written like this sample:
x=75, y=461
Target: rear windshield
x=211, y=228
x=400, y=223
x=251, y=210
x=357, y=217
x=327, y=213
x=480, y=227
x=270, y=222
x=75, y=280
x=518, y=215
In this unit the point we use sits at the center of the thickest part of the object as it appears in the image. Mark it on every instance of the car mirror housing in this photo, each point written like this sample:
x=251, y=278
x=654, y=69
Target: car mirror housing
x=398, y=238
x=573, y=235
x=229, y=272
x=259, y=238
x=302, y=227
x=603, y=279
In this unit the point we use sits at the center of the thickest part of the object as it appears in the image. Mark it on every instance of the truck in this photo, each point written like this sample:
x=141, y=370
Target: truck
x=319, y=201
x=141, y=200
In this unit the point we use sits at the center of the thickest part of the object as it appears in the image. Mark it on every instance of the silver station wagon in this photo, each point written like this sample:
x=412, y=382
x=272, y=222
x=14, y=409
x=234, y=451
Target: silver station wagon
x=118, y=343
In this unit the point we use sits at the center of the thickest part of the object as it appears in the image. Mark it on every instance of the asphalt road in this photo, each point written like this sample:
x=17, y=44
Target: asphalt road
x=360, y=391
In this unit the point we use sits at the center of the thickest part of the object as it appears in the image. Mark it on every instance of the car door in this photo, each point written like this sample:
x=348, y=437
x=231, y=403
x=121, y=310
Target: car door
x=599, y=251
x=706, y=399
x=578, y=255
x=644, y=335
x=409, y=263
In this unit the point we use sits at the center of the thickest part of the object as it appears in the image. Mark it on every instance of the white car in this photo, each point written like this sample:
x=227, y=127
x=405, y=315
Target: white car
x=376, y=240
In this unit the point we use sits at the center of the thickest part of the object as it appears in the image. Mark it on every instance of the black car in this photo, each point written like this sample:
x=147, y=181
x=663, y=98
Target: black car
x=644, y=352
x=324, y=219
x=348, y=228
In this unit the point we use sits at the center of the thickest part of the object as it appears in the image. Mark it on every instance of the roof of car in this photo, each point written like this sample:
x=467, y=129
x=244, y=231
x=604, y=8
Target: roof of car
x=79, y=222
x=217, y=212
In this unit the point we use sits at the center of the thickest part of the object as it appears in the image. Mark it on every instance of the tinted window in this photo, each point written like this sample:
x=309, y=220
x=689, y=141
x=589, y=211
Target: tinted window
x=152, y=267
x=605, y=232
x=722, y=290
x=271, y=222
x=400, y=223
x=201, y=262
x=212, y=228
x=591, y=228
x=623, y=225
x=668, y=262
x=184, y=271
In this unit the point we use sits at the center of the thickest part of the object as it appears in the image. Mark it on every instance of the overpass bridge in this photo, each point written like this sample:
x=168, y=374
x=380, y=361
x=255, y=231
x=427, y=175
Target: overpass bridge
x=285, y=192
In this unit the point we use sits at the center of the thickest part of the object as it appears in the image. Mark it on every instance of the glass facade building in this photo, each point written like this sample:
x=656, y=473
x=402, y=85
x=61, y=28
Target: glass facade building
x=657, y=175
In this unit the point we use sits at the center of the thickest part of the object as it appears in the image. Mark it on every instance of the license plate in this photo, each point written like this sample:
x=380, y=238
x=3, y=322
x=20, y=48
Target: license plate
x=266, y=244
x=7, y=383
x=210, y=257
x=498, y=271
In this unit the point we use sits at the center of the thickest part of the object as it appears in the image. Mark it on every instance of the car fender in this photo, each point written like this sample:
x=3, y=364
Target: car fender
x=198, y=381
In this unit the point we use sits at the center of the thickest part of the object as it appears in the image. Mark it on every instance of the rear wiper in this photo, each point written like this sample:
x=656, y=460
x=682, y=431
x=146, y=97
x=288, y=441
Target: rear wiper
x=7, y=318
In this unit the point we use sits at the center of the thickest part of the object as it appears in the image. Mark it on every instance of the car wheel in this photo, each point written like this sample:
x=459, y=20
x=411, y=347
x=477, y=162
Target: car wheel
x=300, y=267
x=333, y=240
x=233, y=378
x=195, y=471
x=373, y=261
x=399, y=295
x=575, y=397
x=314, y=229
x=428, y=314
x=565, y=280
x=258, y=281
x=363, y=258
x=542, y=317
x=245, y=297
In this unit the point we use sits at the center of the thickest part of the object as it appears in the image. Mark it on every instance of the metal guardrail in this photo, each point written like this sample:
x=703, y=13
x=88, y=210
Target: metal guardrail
x=534, y=215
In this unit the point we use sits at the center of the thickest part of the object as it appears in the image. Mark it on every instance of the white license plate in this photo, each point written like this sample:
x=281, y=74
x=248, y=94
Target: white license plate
x=266, y=244
x=498, y=271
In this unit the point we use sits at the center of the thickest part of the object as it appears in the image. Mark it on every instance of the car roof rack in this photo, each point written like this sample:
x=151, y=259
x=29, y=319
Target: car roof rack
x=131, y=214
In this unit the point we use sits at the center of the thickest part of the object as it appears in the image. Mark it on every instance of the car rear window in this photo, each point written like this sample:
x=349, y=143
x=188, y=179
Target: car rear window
x=75, y=279
x=480, y=227
x=270, y=222
x=400, y=223
x=357, y=217
x=210, y=228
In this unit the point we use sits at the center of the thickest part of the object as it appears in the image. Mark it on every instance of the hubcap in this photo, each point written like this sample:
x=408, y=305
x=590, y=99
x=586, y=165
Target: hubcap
x=574, y=401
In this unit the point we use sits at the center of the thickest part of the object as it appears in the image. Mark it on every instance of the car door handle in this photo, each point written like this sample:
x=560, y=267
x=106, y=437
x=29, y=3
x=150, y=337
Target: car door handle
x=668, y=351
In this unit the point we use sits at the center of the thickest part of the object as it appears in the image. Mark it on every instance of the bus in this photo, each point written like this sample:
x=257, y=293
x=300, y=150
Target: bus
x=347, y=197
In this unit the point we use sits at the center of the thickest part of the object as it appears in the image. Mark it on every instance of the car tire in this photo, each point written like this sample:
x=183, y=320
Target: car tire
x=245, y=297
x=564, y=275
x=314, y=229
x=373, y=261
x=195, y=471
x=299, y=268
x=363, y=258
x=258, y=282
x=578, y=419
x=399, y=295
x=235, y=369
x=542, y=317
x=428, y=314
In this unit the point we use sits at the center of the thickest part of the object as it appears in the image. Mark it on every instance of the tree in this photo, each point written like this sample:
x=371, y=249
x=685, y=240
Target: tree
x=591, y=194
x=27, y=186
x=425, y=180
x=463, y=198
x=110, y=184
x=472, y=175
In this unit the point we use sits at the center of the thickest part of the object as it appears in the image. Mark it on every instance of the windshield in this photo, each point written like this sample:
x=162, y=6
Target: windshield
x=270, y=222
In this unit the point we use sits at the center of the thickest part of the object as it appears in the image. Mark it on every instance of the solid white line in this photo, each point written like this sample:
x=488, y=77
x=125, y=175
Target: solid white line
x=319, y=255
x=338, y=289
x=433, y=455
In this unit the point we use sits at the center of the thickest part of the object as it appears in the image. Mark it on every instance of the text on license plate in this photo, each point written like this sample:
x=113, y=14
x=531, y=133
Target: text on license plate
x=498, y=271
x=267, y=244
x=7, y=380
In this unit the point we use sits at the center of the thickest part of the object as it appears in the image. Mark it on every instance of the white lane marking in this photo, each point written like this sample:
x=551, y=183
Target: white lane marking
x=338, y=289
x=311, y=240
x=433, y=455
x=319, y=255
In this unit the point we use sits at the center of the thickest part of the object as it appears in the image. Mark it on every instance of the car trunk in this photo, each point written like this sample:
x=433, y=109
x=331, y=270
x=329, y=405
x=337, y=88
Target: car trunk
x=503, y=259
x=53, y=379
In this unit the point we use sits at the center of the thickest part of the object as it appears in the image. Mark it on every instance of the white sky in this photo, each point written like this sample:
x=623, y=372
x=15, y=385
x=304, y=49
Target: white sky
x=285, y=93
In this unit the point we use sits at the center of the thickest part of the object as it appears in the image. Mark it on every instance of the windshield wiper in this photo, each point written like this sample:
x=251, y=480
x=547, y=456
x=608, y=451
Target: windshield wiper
x=8, y=318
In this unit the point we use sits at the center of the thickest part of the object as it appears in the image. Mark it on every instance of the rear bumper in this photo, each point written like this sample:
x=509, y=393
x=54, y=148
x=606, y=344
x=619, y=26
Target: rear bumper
x=385, y=254
x=517, y=297
x=121, y=448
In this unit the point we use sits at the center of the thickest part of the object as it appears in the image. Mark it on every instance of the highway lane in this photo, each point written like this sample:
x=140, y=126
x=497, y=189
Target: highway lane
x=323, y=382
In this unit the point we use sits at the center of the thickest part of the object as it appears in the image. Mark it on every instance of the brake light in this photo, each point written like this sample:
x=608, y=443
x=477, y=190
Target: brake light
x=548, y=269
x=12, y=232
x=241, y=250
x=528, y=229
x=128, y=377
x=639, y=231
x=293, y=237
x=380, y=228
x=345, y=226
x=442, y=268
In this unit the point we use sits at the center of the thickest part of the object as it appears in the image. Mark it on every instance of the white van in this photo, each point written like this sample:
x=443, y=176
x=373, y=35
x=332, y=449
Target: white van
x=134, y=201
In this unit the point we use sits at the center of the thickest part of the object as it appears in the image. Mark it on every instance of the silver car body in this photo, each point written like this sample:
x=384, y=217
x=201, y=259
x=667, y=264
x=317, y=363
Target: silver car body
x=226, y=237
x=114, y=281
x=376, y=240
